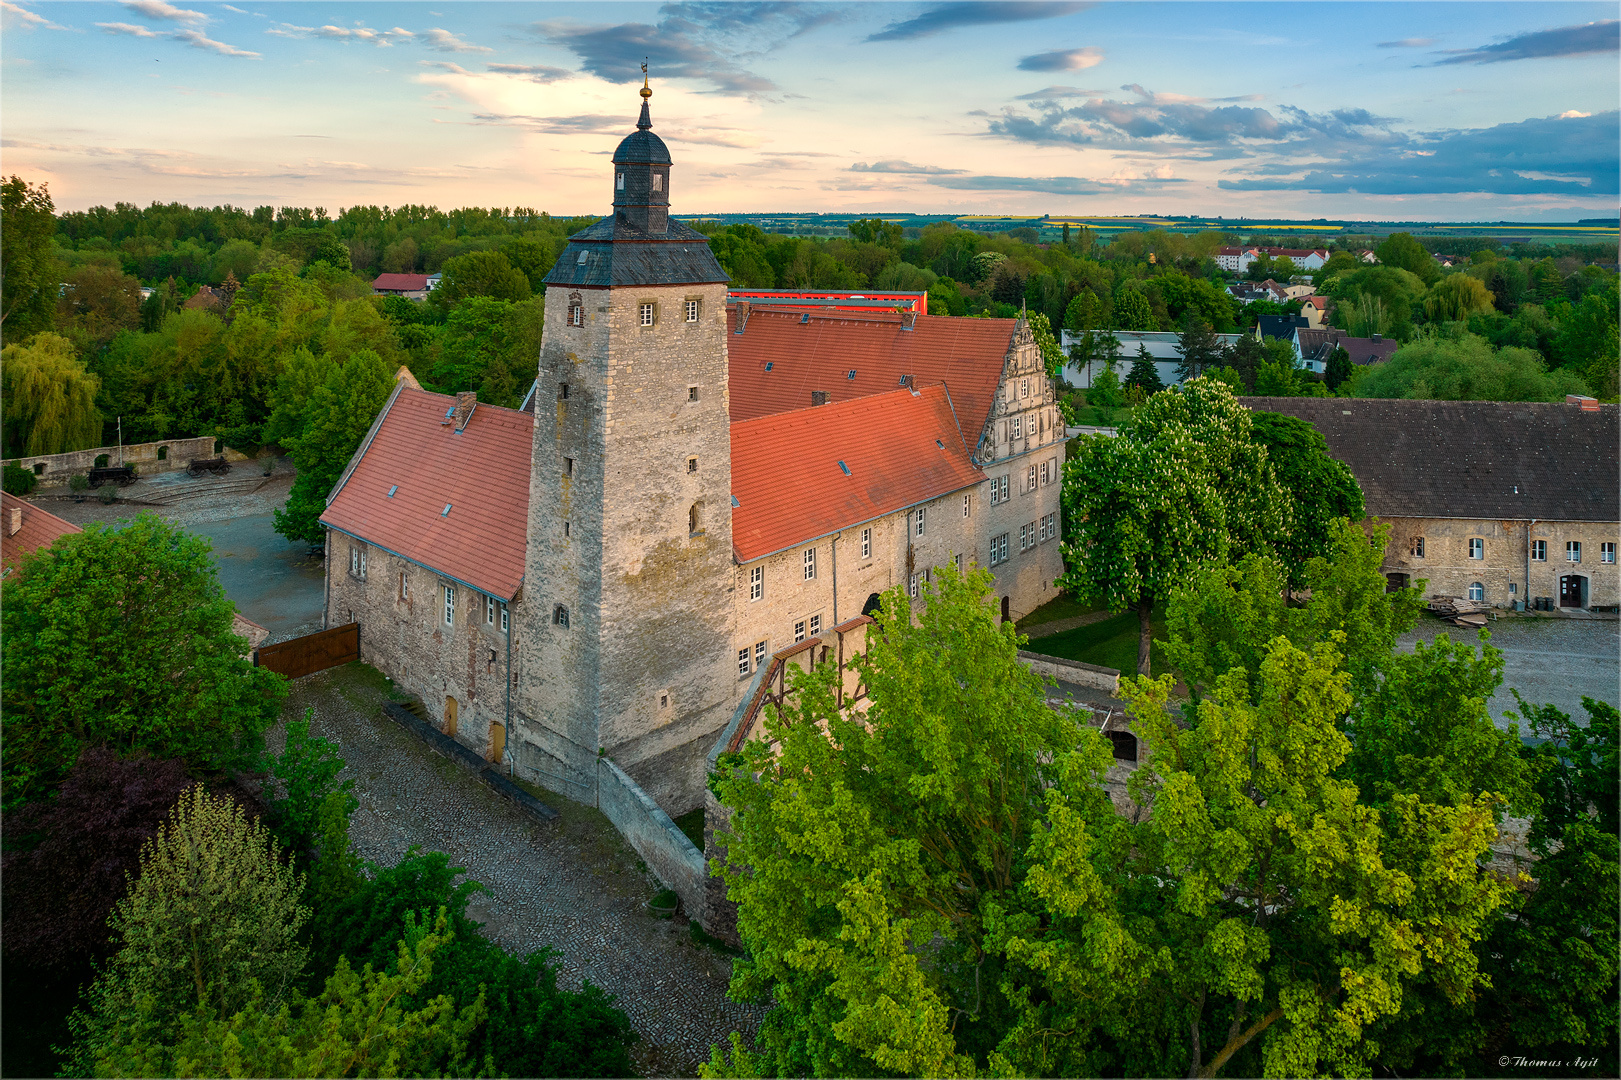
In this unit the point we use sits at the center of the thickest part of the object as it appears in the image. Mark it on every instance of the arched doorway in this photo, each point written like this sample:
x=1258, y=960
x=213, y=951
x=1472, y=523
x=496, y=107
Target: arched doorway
x=870, y=608
x=450, y=716
x=1006, y=609
x=1573, y=591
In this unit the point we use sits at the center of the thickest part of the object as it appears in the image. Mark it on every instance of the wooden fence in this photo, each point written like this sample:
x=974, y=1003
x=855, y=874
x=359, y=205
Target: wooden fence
x=311, y=653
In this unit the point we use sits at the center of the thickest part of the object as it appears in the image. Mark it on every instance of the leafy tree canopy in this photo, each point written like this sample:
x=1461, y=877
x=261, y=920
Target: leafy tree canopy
x=1466, y=368
x=1321, y=489
x=50, y=400
x=28, y=283
x=336, y=418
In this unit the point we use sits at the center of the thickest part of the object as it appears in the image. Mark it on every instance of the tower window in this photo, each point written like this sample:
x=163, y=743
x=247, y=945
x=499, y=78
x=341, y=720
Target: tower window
x=568, y=466
x=695, y=515
x=658, y=181
x=560, y=616
x=692, y=393
x=692, y=311
x=692, y=464
x=808, y=559
x=647, y=314
x=619, y=182
x=756, y=582
x=562, y=391
x=576, y=315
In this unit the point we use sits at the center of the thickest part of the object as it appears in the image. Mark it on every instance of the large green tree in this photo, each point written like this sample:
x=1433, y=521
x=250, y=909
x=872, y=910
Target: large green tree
x=123, y=636
x=1466, y=368
x=1184, y=483
x=479, y=273
x=1321, y=489
x=1197, y=346
x=29, y=275
x=336, y=418
x=1402, y=251
x=50, y=400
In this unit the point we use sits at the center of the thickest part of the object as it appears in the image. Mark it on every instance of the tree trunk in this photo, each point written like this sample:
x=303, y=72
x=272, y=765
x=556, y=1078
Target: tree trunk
x=1145, y=611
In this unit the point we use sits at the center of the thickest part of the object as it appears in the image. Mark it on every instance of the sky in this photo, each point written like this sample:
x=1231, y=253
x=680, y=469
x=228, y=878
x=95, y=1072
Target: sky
x=1463, y=111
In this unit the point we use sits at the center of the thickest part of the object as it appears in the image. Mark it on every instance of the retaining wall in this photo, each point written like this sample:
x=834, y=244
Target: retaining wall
x=56, y=469
x=1073, y=671
x=666, y=850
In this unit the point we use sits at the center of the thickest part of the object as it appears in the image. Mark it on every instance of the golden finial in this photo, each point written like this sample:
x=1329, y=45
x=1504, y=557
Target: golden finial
x=647, y=91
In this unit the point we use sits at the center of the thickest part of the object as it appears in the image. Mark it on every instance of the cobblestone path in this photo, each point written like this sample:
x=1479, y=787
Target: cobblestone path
x=575, y=886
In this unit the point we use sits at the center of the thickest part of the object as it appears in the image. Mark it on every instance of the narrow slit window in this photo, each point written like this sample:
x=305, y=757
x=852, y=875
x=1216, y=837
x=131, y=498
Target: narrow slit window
x=450, y=606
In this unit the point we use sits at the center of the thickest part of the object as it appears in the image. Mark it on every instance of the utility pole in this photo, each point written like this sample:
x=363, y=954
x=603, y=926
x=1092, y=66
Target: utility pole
x=121, y=440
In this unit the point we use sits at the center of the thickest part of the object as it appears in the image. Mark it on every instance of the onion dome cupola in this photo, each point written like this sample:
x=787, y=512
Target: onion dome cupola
x=642, y=174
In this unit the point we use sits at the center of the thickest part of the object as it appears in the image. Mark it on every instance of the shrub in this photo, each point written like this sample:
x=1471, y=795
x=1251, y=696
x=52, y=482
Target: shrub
x=18, y=480
x=79, y=482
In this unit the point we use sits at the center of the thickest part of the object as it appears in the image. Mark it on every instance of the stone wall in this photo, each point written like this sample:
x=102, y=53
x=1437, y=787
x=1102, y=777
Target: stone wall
x=153, y=457
x=1073, y=671
x=1501, y=571
x=648, y=829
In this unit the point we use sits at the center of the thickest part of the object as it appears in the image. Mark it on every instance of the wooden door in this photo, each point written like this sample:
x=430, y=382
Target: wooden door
x=450, y=716
x=1570, y=590
x=498, y=742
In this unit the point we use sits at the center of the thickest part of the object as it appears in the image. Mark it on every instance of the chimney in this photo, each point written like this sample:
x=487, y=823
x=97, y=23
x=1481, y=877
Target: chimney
x=742, y=315
x=1588, y=404
x=14, y=520
x=909, y=318
x=466, y=402
x=1377, y=337
x=818, y=397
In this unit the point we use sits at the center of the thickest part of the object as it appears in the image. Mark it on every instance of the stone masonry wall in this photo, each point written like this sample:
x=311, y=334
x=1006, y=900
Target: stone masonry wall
x=56, y=469
x=1450, y=570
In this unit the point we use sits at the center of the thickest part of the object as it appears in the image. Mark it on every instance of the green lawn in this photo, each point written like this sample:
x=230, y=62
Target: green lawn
x=1093, y=416
x=1065, y=607
x=1110, y=643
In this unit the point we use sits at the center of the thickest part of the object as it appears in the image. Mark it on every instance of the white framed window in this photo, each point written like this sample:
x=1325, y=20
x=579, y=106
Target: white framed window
x=1024, y=387
x=1046, y=477
x=576, y=315
x=808, y=560
x=756, y=582
x=1477, y=548
x=405, y=586
x=799, y=631
x=866, y=543
x=1573, y=553
x=489, y=611
x=1415, y=547
x=1018, y=427
x=450, y=606
x=1030, y=479
x=1606, y=552
x=922, y=513
x=1477, y=591
x=692, y=311
x=354, y=562
x=647, y=312
x=759, y=654
x=506, y=619
x=967, y=505
x=658, y=181
x=1539, y=551
x=743, y=668
x=911, y=586
x=999, y=490
x=999, y=549
x=815, y=625
x=1049, y=526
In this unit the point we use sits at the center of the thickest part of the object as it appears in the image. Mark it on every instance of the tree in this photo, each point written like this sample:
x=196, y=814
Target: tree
x=1320, y=489
x=1338, y=368
x=60, y=890
x=1467, y=369
x=1246, y=357
x=339, y=413
x=1401, y=251
x=1052, y=356
x=211, y=922
x=123, y=636
x=1456, y=297
x=1197, y=346
x=29, y=275
x=946, y=299
x=1144, y=372
x=50, y=400
x=1131, y=310
x=1183, y=483
x=534, y=258
x=1085, y=312
x=1588, y=342
x=877, y=231
x=479, y=273
x=97, y=302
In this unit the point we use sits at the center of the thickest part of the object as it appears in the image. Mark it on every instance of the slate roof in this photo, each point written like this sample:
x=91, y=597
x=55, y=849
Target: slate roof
x=616, y=253
x=1279, y=326
x=810, y=351
x=1471, y=459
x=38, y=528
x=901, y=448
x=1319, y=344
x=482, y=472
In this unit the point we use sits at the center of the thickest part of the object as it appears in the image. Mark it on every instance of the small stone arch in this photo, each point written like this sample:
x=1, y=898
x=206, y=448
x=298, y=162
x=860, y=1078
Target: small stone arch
x=695, y=519
x=873, y=604
x=101, y=461
x=163, y=453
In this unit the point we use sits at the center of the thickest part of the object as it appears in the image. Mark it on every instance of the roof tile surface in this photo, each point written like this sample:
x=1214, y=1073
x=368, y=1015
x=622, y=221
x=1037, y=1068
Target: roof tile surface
x=38, y=529
x=481, y=472
x=789, y=486
x=401, y=282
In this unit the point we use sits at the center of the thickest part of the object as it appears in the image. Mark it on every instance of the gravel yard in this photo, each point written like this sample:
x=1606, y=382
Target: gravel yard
x=575, y=886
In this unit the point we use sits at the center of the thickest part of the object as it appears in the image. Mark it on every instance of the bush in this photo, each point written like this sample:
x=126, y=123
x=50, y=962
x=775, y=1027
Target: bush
x=79, y=482
x=108, y=496
x=18, y=480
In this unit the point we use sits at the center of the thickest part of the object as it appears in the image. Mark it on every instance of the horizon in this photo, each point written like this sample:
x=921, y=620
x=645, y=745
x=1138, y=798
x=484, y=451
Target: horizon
x=1372, y=114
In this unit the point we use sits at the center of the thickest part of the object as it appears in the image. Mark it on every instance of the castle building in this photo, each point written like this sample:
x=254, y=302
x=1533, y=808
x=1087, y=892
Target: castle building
x=691, y=487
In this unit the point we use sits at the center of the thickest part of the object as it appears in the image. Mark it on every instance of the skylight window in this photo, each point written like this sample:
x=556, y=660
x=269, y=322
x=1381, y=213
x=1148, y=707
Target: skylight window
x=940, y=444
x=769, y=364
x=446, y=511
x=392, y=490
x=584, y=255
x=845, y=468
x=852, y=374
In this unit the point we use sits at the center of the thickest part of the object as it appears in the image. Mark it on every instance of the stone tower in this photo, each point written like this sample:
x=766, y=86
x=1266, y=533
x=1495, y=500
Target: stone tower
x=625, y=631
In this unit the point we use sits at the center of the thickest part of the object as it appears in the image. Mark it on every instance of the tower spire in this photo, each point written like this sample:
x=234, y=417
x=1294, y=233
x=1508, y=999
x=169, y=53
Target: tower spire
x=646, y=120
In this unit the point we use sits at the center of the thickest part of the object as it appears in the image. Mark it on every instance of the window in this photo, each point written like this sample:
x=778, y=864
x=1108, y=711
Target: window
x=999, y=549
x=1477, y=591
x=576, y=315
x=866, y=543
x=922, y=512
x=743, y=668
x=647, y=314
x=756, y=582
x=363, y=561
x=450, y=606
x=1573, y=553
x=759, y=654
x=506, y=620
x=999, y=488
x=967, y=505
x=1606, y=552
x=405, y=586
x=1046, y=477
x=799, y=631
x=619, y=182
x=1415, y=547
x=1024, y=387
x=692, y=311
x=1030, y=479
x=1477, y=548
x=560, y=616
x=809, y=561
x=565, y=530
x=692, y=464
x=692, y=393
x=489, y=611
x=354, y=562
x=695, y=523
x=1539, y=551
x=1049, y=526
x=658, y=181
x=815, y=625
x=958, y=561
x=568, y=466
x=911, y=586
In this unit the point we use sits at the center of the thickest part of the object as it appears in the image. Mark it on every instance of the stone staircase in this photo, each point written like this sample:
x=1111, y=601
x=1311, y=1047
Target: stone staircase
x=182, y=496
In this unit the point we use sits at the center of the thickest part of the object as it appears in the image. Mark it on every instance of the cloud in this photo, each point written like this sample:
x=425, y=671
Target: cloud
x=127, y=28
x=904, y=167
x=20, y=18
x=535, y=74
x=1064, y=60
x=704, y=41
x=238, y=10
x=1051, y=93
x=1573, y=114
x=157, y=9
x=445, y=41
x=1594, y=37
x=949, y=16
x=365, y=34
x=197, y=40
x=1056, y=185
x=1551, y=155
x=1408, y=43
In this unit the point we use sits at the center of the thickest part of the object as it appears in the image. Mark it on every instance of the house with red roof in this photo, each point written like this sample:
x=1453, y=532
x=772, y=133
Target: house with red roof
x=27, y=527
x=410, y=286
x=696, y=484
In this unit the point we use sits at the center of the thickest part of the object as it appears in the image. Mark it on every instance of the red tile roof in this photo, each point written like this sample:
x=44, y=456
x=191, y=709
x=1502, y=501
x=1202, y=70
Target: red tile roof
x=789, y=486
x=482, y=472
x=400, y=283
x=36, y=528
x=819, y=354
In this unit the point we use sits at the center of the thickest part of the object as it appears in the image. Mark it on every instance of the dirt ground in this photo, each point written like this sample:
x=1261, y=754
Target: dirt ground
x=574, y=886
